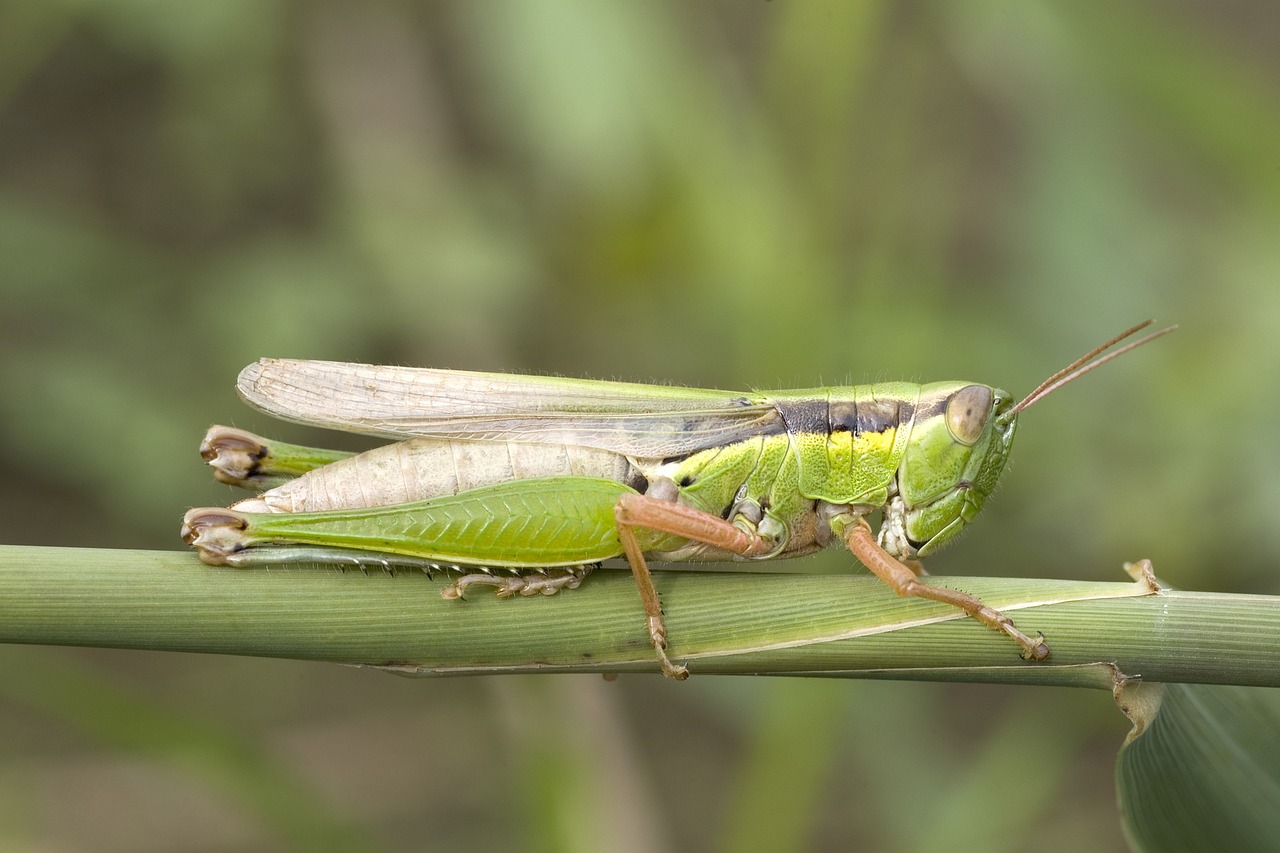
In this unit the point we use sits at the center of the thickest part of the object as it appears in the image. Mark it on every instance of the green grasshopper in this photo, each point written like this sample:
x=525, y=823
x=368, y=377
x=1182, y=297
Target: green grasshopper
x=548, y=477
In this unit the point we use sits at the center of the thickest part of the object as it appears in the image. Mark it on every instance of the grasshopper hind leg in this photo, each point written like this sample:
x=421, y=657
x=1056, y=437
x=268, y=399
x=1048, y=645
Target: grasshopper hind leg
x=241, y=458
x=220, y=537
x=541, y=582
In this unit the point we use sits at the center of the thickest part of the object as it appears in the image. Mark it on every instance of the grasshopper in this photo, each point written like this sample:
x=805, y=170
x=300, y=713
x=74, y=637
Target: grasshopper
x=547, y=476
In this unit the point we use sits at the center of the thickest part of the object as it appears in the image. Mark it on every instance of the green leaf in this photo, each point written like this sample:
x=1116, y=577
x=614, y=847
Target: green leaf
x=1201, y=769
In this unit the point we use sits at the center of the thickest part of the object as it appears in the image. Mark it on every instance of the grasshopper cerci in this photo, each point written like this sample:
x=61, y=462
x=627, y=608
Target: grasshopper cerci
x=547, y=476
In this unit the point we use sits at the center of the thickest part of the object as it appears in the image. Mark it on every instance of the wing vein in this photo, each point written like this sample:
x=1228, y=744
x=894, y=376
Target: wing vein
x=645, y=421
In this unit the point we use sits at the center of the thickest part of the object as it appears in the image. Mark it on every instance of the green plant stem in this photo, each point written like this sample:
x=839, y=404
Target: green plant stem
x=778, y=624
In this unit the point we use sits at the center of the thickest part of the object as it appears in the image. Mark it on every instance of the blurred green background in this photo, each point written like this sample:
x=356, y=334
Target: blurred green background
x=724, y=194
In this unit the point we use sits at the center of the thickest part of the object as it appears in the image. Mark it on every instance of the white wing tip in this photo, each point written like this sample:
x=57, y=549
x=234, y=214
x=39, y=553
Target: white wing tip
x=247, y=381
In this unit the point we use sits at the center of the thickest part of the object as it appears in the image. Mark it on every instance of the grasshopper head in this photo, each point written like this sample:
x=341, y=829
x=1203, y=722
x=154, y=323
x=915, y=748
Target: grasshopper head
x=958, y=446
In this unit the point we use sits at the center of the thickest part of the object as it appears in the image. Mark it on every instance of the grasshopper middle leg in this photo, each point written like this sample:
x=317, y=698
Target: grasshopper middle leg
x=634, y=511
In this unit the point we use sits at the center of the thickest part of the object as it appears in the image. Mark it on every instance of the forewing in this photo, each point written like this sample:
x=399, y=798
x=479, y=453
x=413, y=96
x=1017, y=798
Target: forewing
x=645, y=421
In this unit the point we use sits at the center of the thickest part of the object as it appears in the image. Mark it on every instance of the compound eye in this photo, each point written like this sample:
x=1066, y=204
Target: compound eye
x=967, y=413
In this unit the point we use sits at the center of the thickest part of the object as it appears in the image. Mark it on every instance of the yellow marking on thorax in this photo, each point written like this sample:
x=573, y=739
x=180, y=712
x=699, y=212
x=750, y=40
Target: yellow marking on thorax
x=849, y=468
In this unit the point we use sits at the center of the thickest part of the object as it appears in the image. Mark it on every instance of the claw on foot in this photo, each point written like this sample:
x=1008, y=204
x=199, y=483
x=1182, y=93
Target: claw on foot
x=658, y=636
x=1032, y=648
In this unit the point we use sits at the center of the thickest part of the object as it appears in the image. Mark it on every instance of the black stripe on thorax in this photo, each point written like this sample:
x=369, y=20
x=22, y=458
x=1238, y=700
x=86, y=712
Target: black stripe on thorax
x=802, y=416
x=865, y=415
x=842, y=415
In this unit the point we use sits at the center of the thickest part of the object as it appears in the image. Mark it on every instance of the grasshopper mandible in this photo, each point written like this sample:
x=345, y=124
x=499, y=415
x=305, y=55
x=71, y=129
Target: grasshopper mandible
x=553, y=475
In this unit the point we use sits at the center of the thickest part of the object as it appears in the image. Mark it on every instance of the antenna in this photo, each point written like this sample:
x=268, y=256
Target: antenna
x=1084, y=364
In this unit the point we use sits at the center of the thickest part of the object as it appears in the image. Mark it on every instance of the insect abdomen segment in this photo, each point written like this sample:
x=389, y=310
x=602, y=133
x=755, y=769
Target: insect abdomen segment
x=422, y=468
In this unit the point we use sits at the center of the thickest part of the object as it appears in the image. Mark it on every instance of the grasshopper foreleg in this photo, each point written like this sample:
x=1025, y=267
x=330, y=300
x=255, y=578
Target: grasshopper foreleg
x=901, y=578
x=634, y=511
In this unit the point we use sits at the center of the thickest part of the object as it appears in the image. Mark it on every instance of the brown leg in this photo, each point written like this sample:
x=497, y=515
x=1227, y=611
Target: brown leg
x=634, y=511
x=902, y=580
